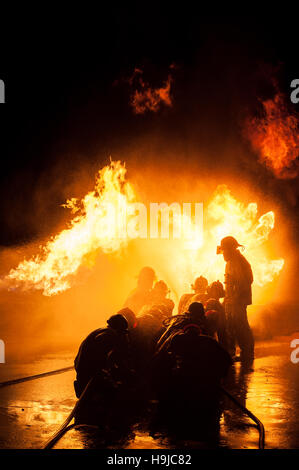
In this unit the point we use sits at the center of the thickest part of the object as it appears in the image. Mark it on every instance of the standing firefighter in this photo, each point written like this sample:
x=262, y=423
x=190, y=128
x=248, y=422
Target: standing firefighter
x=238, y=281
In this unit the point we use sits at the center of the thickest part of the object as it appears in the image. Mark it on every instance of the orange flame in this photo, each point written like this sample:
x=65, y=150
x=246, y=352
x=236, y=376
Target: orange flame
x=92, y=228
x=151, y=99
x=224, y=215
x=95, y=228
x=275, y=137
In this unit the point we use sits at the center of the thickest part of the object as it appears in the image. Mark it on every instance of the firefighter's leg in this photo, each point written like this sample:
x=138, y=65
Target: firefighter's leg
x=222, y=332
x=243, y=331
x=230, y=330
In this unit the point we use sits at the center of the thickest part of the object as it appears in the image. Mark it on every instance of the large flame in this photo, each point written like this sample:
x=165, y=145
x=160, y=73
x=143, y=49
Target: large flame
x=224, y=216
x=94, y=227
x=275, y=137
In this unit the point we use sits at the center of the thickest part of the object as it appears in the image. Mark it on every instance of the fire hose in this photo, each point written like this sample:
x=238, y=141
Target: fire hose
x=34, y=377
x=64, y=428
x=259, y=424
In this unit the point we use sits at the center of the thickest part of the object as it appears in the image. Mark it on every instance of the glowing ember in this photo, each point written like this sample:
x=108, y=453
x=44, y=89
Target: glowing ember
x=96, y=226
x=275, y=137
x=151, y=99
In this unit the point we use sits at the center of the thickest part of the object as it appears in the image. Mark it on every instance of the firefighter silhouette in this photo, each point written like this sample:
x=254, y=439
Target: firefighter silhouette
x=238, y=294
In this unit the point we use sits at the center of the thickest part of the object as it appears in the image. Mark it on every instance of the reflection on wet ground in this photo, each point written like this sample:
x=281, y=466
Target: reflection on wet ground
x=31, y=412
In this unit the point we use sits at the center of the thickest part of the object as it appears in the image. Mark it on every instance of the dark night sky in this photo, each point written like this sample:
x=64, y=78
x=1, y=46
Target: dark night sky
x=61, y=99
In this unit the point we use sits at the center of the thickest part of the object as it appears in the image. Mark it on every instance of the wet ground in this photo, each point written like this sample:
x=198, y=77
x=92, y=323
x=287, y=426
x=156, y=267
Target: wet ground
x=31, y=412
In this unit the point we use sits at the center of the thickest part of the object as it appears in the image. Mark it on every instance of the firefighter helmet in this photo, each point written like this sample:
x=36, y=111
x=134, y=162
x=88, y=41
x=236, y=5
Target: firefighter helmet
x=200, y=284
x=227, y=243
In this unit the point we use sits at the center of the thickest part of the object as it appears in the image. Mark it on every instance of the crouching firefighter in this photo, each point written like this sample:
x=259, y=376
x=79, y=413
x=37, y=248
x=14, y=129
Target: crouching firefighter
x=194, y=315
x=105, y=353
x=238, y=294
x=189, y=370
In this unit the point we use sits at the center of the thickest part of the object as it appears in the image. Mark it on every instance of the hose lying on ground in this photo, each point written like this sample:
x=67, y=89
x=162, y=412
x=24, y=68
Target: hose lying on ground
x=259, y=424
x=65, y=426
x=34, y=377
